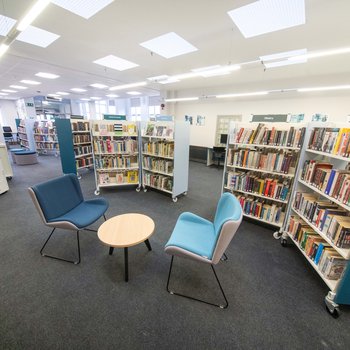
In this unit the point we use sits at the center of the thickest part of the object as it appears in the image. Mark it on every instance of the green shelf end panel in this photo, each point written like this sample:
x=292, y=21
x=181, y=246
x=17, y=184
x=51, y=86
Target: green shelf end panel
x=343, y=290
x=65, y=141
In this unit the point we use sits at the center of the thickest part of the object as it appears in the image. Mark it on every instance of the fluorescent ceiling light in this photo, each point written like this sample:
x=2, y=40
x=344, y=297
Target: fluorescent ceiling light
x=181, y=99
x=47, y=75
x=168, y=81
x=8, y=90
x=30, y=82
x=127, y=86
x=112, y=95
x=62, y=93
x=32, y=14
x=133, y=93
x=95, y=98
x=325, y=88
x=3, y=94
x=45, y=103
x=169, y=45
x=53, y=95
x=6, y=24
x=115, y=62
x=266, y=16
x=85, y=99
x=36, y=36
x=78, y=90
x=283, y=58
x=83, y=8
x=247, y=94
x=184, y=76
x=321, y=54
x=158, y=78
x=216, y=70
x=3, y=49
x=99, y=86
x=19, y=87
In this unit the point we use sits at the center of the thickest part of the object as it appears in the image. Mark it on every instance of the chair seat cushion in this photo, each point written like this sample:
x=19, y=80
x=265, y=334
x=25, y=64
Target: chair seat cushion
x=194, y=234
x=85, y=214
x=22, y=153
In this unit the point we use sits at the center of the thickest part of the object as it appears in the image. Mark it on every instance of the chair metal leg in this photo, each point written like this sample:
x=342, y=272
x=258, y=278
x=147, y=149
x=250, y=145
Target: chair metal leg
x=104, y=216
x=189, y=297
x=57, y=258
x=224, y=257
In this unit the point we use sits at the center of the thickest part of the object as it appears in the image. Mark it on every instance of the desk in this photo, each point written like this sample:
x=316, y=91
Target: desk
x=124, y=231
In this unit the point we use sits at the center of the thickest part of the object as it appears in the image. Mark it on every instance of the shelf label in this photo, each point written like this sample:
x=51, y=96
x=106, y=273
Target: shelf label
x=274, y=118
x=114, y=117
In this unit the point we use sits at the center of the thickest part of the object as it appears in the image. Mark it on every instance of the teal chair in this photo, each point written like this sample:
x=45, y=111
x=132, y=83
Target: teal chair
x=198, y=239
x=61, y=204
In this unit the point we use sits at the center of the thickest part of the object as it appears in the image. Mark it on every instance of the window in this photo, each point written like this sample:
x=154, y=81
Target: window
x=84, y=109
x=101, y=109
x=153, y=111
x=135, y=113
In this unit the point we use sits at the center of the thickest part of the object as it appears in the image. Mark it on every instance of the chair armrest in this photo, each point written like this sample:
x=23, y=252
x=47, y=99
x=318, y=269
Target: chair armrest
x=187, y=216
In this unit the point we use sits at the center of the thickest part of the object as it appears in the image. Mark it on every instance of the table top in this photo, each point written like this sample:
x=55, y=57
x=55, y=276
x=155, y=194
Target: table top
x=126, y=230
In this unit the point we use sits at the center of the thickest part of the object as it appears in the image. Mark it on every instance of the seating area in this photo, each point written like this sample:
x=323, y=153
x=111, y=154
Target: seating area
x=25, y=157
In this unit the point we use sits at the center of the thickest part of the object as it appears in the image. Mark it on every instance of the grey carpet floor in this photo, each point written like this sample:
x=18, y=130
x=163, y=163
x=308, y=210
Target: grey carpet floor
x=276, y=299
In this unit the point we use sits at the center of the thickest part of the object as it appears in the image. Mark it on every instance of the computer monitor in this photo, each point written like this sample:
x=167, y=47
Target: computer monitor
x=223, y=138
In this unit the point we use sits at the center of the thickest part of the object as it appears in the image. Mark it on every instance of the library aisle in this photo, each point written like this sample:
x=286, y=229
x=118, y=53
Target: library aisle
x=276, y=298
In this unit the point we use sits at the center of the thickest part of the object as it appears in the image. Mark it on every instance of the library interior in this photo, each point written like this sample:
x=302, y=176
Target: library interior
x=174, y=174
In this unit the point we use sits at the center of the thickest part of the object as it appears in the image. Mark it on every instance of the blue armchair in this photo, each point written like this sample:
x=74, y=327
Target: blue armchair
x=199, y=239
x=60, y=204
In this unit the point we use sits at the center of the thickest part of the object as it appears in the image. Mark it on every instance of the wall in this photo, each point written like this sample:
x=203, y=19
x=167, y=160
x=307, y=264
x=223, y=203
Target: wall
x=8, y=113
x=336, y=107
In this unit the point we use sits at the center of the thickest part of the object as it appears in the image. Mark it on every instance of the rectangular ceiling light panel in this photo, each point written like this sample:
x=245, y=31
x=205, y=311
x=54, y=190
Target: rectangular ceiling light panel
x=78, y=90
x=83, y=8
x=134, y=93
x=99, y=86
x=284, y=58
x=6, y=24
x=19, y=87
x=47, y=75
x=36, y=36
x=115, y=62
x=30, y=82
x=169, y=45
x=266, y=16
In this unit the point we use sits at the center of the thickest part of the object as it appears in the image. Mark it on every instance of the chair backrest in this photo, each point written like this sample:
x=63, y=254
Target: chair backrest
x=58, y=196
x=228, y=217
x=7, y=129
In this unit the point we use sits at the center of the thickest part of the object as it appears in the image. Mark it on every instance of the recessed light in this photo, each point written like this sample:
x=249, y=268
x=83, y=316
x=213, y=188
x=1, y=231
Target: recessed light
x=36, y=36
x=78, y=90
x=99, y=86
x=19, y=87
x=115, y=62
x=325, y=88
x=246, y=94
x=112, y=95
x=32, y=14
x=6, y=24
x=321, y=54
x=85, y=99
x=283, y=58
x=47, y=75
x=30, y=82
x=158, y=78
x=3, y=94
x=127, y=86
x=181, y=99
x=62, y=93
x=133, y=93
x=8, y=90
x=169, y=45
x=3, y=49
x=266, y=16
x=83, y=8
x=95, y=98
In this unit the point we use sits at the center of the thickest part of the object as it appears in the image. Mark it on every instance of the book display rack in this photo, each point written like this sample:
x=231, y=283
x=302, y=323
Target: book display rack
x=165, y=157
x=319, y=224
x=116, y=153
x=45, y=137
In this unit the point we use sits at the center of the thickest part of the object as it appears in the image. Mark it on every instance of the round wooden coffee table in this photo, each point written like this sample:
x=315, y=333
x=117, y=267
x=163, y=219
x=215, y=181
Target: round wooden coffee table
x=124, y=231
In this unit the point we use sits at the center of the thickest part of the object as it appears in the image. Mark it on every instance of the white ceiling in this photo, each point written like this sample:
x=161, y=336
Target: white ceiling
x=121, y=26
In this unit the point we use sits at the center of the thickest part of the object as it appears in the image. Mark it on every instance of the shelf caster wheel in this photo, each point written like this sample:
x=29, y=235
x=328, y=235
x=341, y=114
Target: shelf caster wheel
x=185, y=193
x=175, y=199
x=79, y=177
x=331, y=306
x=283, y=242
x=9, y=178
x=335, y=313
x=97, y=193
x=277, y=235
x=138, y=189
x=145, y=190
x=56, y=155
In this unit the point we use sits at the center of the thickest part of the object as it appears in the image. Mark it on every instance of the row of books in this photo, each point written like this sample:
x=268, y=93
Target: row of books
x=45, y=128
x=275, y=187
x=41, y=145
x=84, y=162
x=119, y=128
x=80, y=126
x=161, y=148
x=330, y=219
x=79, y=150
x=261, y=209
x=331, y=140
x=118, y=177
x=333, y=182
x=112, y=145
x=81, y=138
x=116, y=162
x=328, y=261
x=156, y=164
x=158, y=181
x=159, y=130
x=269, y=160
x=266, y=135
x=43, y=138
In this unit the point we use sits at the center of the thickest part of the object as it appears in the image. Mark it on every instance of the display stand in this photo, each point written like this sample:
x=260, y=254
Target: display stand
x=320, y=209
x=165, y=157
x=26, y=134
x=116, y=153
x=45, y=137
x=261, y=161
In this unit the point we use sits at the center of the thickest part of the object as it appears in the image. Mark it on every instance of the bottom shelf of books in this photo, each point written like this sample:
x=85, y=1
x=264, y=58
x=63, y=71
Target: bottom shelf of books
x=160, y=182
x=113, y=178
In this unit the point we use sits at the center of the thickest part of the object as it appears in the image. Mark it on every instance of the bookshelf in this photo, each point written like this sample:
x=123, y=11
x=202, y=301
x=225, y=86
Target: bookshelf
x=116, y=153
x=45, y=137
x=260, y=165
x=25, y=131
x=319, y=221
x=165, y=157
